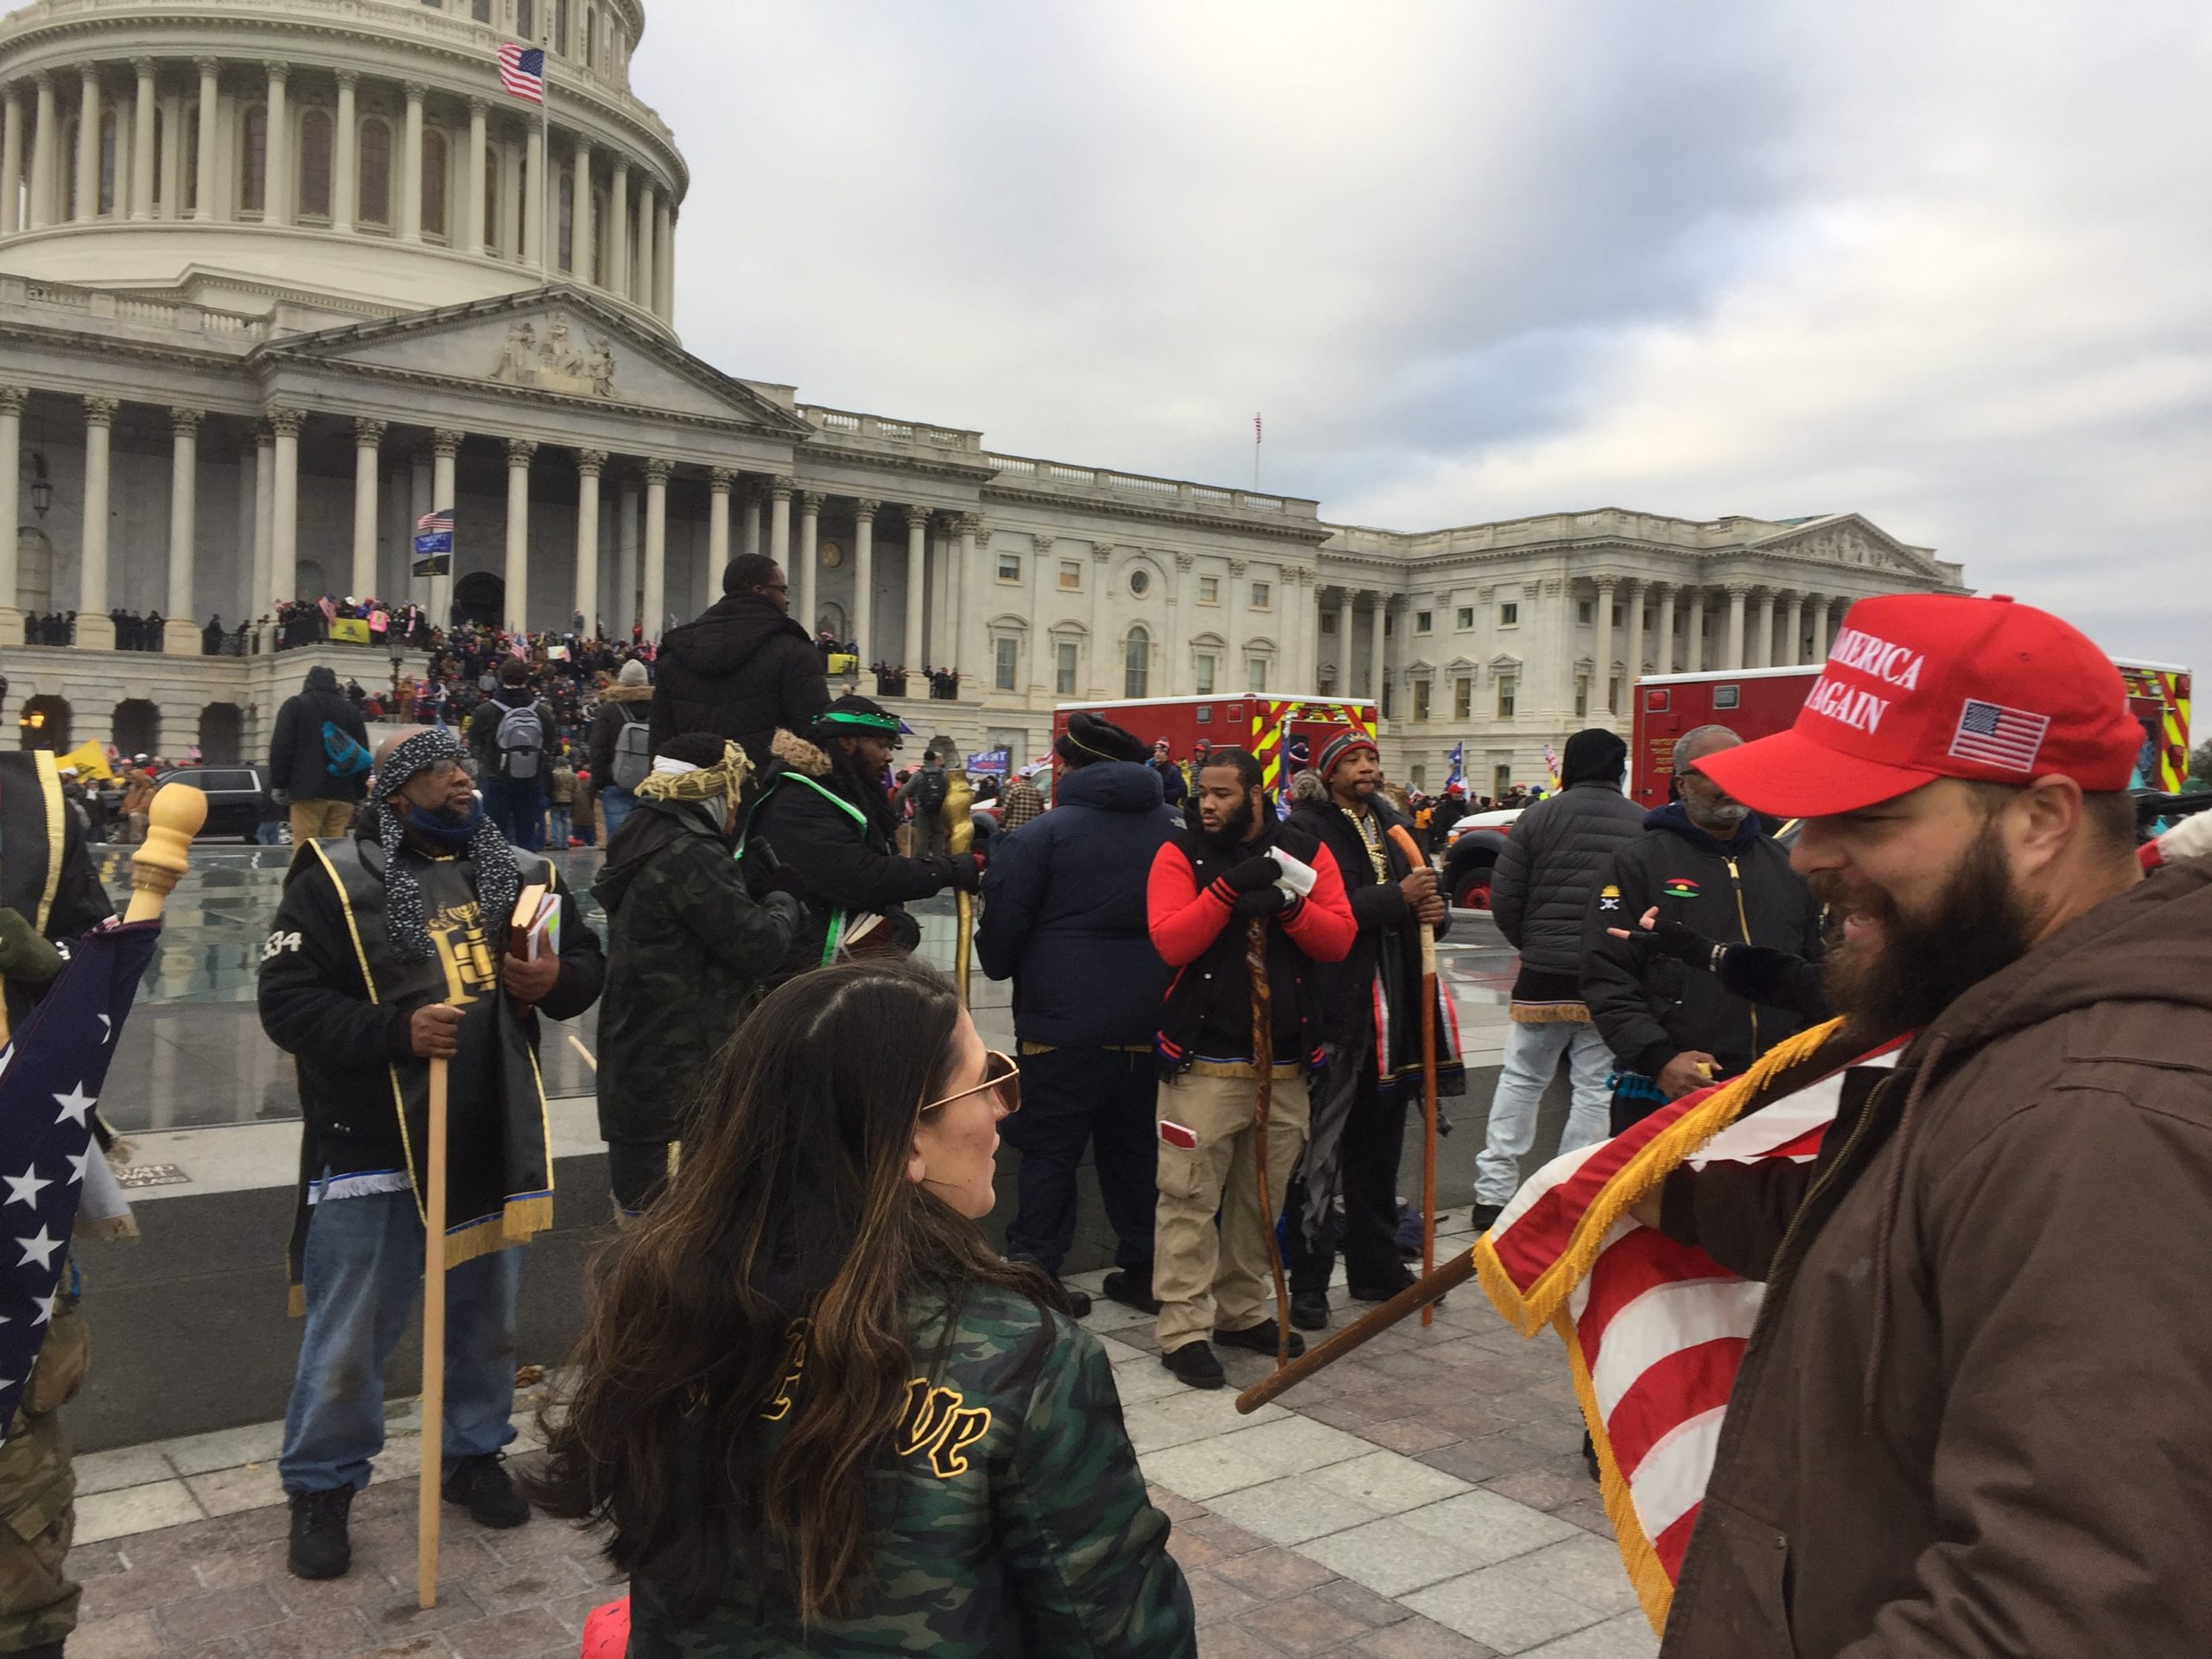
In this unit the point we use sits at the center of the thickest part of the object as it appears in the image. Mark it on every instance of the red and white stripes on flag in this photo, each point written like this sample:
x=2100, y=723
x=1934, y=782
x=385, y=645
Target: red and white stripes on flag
x=1653, y=1330
x=522, y=70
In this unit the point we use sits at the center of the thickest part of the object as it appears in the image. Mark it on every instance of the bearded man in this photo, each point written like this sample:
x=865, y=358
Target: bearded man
x=1971, y=1417
x=1207, y=887
x=393, y=949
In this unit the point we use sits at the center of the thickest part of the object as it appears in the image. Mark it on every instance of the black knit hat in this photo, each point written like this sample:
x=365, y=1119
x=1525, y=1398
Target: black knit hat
x=1343, y=743
x=854, y=715
x=1090, y=739
x=1593, y=755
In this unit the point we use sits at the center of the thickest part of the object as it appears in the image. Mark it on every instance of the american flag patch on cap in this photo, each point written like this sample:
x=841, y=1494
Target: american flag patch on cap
x=1994, y=736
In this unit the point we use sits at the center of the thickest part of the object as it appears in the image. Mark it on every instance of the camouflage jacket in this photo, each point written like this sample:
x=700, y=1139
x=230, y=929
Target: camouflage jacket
x=1011, y=1518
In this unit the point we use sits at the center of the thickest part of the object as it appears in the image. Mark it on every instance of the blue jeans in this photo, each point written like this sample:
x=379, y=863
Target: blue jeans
x=268, y=833
x=1532, y=1056
x=363, y=1266
x=1070, y=1096
x=614, y=804
x=516, y=809
x=556, y=832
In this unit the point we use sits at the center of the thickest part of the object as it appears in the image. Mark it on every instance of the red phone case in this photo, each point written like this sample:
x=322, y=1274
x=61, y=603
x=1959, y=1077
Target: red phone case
x=1176, y=1136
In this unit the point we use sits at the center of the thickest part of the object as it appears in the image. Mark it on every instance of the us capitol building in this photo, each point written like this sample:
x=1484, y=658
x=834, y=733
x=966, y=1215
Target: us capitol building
x=277, y=277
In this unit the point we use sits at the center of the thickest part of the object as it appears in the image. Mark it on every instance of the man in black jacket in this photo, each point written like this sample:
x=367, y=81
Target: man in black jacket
x=1703, y=862
x=1540, y=896
x=321, y=787
x=825, y=814
x=1368, y=1015
x=511, y=739
x=1064, y=917
x=744, y=670
x=627, y=703
x=389, y=952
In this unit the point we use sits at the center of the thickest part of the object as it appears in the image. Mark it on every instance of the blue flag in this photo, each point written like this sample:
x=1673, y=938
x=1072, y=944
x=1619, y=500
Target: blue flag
x=1458, y=759
x=50, y=1078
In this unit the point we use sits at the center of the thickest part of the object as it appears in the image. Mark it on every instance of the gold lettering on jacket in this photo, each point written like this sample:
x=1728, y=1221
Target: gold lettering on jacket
x=937, y=1425
x=465, y=954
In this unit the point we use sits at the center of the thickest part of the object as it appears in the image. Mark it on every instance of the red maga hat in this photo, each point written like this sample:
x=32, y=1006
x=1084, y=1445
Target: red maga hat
x=1922, y=686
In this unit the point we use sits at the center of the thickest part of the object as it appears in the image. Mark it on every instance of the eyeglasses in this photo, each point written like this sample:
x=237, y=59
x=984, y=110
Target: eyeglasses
x=440, y=770
x=1000, y=1073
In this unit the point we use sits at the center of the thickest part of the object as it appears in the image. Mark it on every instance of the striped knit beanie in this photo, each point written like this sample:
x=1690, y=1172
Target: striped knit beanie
x=1343, y=743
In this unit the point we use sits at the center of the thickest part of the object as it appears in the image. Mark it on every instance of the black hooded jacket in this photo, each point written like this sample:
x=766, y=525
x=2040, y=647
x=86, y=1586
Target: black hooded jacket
x=742, y=672
x=298, y=763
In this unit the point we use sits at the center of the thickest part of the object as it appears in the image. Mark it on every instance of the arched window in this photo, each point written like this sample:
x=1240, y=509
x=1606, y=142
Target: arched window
x=561, y=27
x=191, y=168
x=602, y=239
x=315, y=134
x=1137, y=662
x=591, y=38
x=566, y=247
x=492, y=204
x=434, y=182
x=110, y=157
x=253, y=161
x=526, y=19
x=375, y=172
x=481, y=10
x=66, y=173
x=161, y=138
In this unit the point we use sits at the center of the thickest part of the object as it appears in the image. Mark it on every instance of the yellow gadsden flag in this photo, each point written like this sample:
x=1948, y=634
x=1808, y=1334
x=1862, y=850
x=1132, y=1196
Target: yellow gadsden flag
x=349, y=630
x=89, y=759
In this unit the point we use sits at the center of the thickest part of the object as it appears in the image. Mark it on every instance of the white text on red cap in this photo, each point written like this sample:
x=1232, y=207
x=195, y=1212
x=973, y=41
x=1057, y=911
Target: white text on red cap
x=1854, y=706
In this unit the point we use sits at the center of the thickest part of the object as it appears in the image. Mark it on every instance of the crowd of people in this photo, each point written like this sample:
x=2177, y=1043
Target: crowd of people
x=811, y=1404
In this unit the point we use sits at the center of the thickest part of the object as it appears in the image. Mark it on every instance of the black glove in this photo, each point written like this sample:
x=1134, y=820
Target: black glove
x=26, y=954
x=1673, y=939
x=784, y=908
x=1263, y=901
x=963, y=873
x=1253, y=875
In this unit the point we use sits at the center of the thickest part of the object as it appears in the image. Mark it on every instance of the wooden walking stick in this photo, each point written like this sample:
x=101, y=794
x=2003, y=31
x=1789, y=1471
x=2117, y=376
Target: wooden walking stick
x=1425, y=1291
x=1263, y=1066
x=434, y=1346
x=1403, y=838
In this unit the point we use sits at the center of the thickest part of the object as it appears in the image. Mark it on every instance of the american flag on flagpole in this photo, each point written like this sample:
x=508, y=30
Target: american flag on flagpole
x=522, y=70
x=1653, y=1330
x=436, y=522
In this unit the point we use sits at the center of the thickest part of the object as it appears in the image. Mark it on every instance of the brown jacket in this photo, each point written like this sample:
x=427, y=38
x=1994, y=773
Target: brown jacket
x=1975, y=1418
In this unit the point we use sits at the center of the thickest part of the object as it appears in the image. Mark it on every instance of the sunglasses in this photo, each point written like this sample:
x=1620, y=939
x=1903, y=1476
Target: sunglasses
x=1000, y=1073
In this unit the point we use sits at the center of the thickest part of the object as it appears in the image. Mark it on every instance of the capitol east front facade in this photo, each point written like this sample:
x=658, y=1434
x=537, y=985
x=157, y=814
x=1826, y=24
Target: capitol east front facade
x=277, y=277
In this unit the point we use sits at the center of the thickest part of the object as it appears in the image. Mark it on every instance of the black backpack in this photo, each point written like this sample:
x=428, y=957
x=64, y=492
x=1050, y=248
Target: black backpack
x=929, y=793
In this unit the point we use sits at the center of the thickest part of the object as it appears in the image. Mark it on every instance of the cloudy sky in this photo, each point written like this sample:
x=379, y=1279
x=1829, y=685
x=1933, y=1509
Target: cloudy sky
x=1949, y=266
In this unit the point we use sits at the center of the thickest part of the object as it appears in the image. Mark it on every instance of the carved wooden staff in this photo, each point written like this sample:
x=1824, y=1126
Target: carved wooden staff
x=1263, y=1067
x=434, y=1346
x=1403, y=838
x=174, y=816
x=1428, y=1289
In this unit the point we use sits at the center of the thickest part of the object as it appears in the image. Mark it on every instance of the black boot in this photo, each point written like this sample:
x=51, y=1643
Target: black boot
x=1261, y=1340
x=1309, y=1309
x=1485, y=1215
x=320, y=1549
x=488, y=1491
x=1196, y=1363
x=1078, y=1300
x=1132, y=1287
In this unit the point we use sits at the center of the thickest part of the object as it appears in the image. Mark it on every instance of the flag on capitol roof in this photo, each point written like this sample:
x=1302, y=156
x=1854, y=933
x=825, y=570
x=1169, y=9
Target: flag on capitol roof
x=522, y=70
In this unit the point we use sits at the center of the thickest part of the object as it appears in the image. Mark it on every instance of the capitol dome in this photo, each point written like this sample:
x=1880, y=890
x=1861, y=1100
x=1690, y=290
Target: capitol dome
x=354, y=157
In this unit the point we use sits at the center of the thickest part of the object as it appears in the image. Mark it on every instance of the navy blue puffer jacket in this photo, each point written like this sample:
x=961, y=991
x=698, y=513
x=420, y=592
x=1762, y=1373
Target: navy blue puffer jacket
x=1064, y=911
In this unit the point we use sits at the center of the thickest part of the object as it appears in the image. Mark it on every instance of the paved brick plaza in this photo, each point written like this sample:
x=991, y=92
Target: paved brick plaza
x=1426, y=1500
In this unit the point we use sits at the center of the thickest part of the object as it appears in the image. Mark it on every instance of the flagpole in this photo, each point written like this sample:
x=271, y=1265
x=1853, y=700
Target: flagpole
x=548, y=230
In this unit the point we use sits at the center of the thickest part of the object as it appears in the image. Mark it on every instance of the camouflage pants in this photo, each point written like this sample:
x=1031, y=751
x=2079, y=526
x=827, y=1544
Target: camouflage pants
x=38, y=1602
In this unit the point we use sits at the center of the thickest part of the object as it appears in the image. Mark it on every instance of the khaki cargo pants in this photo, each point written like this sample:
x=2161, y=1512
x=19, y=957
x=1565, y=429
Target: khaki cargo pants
x=1207, y=1278
x=38, y=1488
x=320, y=820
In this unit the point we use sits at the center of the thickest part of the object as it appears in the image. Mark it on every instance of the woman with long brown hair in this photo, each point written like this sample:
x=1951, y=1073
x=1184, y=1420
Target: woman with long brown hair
x=819, y=1412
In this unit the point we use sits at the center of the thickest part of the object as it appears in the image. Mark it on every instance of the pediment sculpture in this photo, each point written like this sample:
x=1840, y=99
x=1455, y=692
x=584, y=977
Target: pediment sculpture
x=557, y=362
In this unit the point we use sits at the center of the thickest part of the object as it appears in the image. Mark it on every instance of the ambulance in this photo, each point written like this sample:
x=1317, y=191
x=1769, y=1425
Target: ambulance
x=1755, y=701
x=1285, y=733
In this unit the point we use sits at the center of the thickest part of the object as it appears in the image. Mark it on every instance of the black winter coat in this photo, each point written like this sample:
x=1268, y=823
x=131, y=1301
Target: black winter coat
x=482, y=736
x=619, y=705
x=298, y=763
x=743, y=670
x=1343, y=995
x=1541, y=888
x=1064, y=911
x=1650, y=1009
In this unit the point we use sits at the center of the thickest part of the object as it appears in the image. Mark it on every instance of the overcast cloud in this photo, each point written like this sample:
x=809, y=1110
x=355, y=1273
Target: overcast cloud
x=1949, y=266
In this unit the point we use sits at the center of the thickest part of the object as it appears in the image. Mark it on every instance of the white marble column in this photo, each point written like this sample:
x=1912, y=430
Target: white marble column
x=1343, y=686
x=964, y=620
x=180, y=634
x=1839, y=608
x=1379, y=649
x=655, y=602
x=581, y=244
x=642, y=295
x=344, y=154
x=1737, y=592
x=11, y=178
x=276, y=207
x=779, y=521
x=519, y=451
x=284, y=502
x=12, y=399
x=1793, y=622
x=171, y=205
x=918, y=532
x=1761, y=651
x=664, y=258
x=590, y=463
x=720, y=480
x=1662, y=652
x=368, y=439
x=203, y=162
x=445, y=453
x=1632, y=669
x=1698, y=601
x=617, y=230
x=44, y=136
x=864, y=511
x=89, y=115
x=801, y=577
x=142, y=142
x=1602, y=673
x=475, y=233
x=533, y=201
x=263, y=582
x=629, y=510
x=749, y=519
x=411, y=166
x=94, y=630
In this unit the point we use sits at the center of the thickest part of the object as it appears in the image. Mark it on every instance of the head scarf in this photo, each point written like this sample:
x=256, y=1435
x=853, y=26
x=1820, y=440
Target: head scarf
x=498, y=880
x=679, y=780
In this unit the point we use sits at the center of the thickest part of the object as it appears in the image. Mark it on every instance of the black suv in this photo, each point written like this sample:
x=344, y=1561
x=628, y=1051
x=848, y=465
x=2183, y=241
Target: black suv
x=236, y=796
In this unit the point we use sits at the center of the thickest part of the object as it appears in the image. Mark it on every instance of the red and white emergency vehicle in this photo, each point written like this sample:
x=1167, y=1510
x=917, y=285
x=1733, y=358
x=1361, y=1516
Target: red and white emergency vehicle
x=1755, y=701
x=1272, y=728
